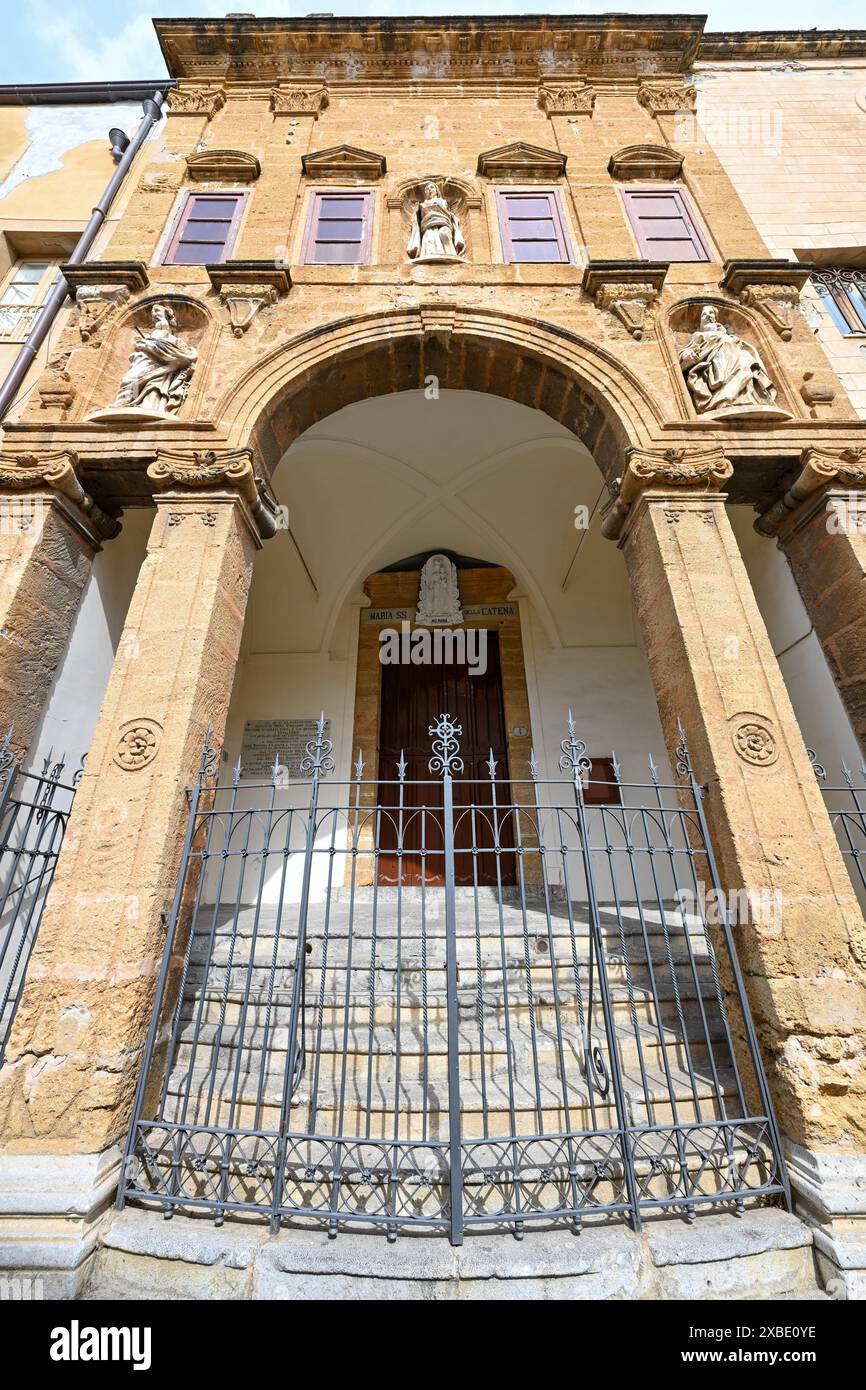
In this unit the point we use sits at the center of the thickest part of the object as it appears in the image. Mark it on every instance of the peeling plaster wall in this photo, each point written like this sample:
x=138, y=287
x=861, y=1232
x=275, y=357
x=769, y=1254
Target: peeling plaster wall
x=53, y=131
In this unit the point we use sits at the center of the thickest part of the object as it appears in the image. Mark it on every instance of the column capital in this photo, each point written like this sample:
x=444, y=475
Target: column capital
x=666, y=96
x=698, y=470
x=218, y=470
x=294, y=100
x=55, y=474
x=821, y=469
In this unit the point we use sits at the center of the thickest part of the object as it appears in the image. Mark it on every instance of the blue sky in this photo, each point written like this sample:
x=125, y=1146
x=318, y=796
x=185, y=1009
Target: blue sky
x=93, y=40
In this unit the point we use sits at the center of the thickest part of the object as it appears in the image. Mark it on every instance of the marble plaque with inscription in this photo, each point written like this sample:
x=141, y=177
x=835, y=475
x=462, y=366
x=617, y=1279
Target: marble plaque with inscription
x=282, y=739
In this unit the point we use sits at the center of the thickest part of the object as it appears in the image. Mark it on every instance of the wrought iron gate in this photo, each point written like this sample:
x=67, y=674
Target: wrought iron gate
x=34, y=810
x=324, y=1047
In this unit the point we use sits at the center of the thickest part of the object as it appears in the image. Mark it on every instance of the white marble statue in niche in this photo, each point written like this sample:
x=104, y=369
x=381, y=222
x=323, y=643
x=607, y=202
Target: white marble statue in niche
x=725, y=374
x=436, y=233
x=439, y=594
x=161, y=366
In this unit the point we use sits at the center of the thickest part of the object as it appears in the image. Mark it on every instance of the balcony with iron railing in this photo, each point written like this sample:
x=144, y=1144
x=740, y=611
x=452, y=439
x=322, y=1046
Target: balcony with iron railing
x=17, y=320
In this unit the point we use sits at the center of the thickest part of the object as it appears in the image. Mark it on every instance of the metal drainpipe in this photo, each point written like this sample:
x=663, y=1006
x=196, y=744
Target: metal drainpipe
x=20, y=367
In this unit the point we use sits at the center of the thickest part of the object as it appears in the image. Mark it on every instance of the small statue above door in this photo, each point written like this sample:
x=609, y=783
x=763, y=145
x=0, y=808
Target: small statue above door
x=439, y=593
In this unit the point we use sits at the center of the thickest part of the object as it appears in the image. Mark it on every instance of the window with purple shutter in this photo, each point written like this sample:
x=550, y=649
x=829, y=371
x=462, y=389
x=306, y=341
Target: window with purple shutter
x=339, y=229
x=662, y=221
x=206, y=229
x=532, y=227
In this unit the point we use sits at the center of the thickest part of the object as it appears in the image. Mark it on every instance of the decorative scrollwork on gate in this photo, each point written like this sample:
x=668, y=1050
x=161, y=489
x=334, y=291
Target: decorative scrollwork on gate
x=446, y=758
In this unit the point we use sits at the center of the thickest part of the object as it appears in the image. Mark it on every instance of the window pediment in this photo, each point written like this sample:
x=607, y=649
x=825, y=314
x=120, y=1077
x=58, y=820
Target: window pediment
x=520, y=160
x=343, y=160
x=646, y=162
x=231, y=166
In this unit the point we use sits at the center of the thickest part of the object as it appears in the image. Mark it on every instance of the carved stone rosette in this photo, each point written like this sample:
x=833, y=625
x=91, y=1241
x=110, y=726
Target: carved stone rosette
x=212, y=471
x=700, y=470
x=663, y=97
x=570, y=99
x=820, y=468
x=56, y=474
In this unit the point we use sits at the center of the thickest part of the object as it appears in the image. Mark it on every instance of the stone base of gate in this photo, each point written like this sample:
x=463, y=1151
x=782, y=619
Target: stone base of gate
x=51, y=1209
x=764, y=1254
x=830, y=1193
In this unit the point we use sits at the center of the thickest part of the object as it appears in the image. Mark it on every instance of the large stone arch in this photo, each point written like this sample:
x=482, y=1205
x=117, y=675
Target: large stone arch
x=576, y=382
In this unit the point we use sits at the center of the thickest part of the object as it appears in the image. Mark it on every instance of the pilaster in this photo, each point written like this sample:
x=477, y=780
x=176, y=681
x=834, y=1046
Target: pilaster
x=50, y=530
x=819, y=521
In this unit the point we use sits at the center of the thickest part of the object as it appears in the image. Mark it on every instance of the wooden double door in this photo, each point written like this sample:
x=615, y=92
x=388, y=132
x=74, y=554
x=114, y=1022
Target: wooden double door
x=413, y=698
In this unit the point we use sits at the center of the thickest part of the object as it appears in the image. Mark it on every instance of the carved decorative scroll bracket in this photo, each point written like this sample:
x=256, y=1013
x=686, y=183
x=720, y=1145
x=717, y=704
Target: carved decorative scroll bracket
x=212, y=470
x=626, y=289
x=245, y=287
x=820, y=469
x=698, y=470
x=56, y=473
x=771, y=287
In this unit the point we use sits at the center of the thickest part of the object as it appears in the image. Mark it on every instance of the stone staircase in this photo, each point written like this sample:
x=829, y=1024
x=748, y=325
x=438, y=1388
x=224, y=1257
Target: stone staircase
x=375, y=1022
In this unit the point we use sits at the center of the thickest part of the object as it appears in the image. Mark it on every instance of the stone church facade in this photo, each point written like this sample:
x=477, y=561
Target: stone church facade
x=545, y=330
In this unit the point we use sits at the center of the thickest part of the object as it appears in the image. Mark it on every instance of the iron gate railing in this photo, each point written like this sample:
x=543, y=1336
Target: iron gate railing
x=846, y=807
x=328, y=1046
x=34, y=810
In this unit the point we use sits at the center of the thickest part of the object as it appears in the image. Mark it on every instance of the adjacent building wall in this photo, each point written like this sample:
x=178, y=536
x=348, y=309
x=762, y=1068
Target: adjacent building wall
x=792, y=138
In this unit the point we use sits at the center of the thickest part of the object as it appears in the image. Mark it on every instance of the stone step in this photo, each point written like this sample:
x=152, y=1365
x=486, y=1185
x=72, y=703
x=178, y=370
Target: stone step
x=763, y=1254
x=486, y=918
x=413, y=1006
x=432, y=1043
x=413, y=978
x=374, y=1106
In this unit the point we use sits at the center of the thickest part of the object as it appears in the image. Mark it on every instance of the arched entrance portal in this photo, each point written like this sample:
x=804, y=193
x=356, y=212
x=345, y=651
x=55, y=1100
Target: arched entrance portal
x=427, y=986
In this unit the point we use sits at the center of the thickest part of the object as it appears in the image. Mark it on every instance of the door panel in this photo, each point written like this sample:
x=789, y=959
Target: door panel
x=413, y=697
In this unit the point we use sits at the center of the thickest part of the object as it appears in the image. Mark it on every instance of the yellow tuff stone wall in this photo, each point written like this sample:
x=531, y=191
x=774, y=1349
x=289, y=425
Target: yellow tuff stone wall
x=793, y=141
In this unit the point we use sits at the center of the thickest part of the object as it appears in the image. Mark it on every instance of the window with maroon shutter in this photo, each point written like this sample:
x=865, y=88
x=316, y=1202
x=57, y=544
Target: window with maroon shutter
x=662, y=221
x=206, y=229
x=339, y=229
x=531, y=223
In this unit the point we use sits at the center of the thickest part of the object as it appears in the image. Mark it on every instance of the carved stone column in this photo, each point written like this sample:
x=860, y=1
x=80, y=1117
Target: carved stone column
x=713, y=666
x=820, y=524
x=50, y=530
x=76, y=1046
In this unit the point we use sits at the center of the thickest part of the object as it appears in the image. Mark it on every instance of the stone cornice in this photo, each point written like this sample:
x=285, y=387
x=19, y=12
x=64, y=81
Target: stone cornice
x=695, y=470
x=132, y=275
x=211, y=470
x=792, y=45
x=55, y=473
x=820, y=470
x=557, y=48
